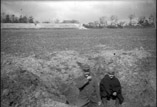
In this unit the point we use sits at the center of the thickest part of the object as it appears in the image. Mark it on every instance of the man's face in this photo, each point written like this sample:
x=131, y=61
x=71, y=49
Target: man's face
x=111, y=76
x=86, y=74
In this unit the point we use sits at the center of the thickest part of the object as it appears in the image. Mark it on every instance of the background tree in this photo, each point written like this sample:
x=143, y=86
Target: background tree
x=21, y=19
x=114, y=20
x=121, y=24
x=152, y=21
x=151, y=18
x=103, y=20
x=12, y=18
x=144, y=21
x=131, y=17
x=141, y=20
x=16, y=19
x=96, y=23
x=24, y=19
x=3, y=16
x=31, y=19
x=7, y=20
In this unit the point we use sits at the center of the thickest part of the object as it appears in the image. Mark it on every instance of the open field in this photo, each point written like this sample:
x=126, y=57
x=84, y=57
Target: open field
x=39, y=66
x=40, y=40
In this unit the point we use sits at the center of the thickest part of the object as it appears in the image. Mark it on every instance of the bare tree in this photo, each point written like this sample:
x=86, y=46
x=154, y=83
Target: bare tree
x=114, y=20
x=152, y=20
x=141, y=20
x=3, y=16
x=7, y=19
x=12, y=18
x=31, y=20
x=131, y=17
x=103, y=20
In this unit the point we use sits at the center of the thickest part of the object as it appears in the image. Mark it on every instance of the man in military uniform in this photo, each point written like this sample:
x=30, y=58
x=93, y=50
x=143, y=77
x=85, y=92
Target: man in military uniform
x=88, y=86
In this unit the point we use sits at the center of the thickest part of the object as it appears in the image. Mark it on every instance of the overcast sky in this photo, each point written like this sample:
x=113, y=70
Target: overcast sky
x=84, y=11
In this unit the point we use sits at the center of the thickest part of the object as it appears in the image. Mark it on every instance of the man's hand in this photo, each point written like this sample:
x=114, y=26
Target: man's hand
x=115, y=93
x=99, y=103
x=89, y=77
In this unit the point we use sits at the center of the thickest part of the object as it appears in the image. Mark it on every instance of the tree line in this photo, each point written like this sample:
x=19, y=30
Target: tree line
x=114, y=22
x=111, y=22
x=11, y=18
x=134, y=21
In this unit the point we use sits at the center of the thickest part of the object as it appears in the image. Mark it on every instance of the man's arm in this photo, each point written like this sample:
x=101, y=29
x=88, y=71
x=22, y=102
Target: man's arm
x=118, y=86
x=104, y=86
x=81, y=82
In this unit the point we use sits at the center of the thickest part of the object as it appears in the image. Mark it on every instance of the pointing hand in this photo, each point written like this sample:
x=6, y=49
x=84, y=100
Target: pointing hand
x=89, y=77
x=115, y=93
x=99, y=103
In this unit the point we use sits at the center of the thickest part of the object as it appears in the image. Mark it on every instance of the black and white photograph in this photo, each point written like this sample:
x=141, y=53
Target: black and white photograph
x=78, y=53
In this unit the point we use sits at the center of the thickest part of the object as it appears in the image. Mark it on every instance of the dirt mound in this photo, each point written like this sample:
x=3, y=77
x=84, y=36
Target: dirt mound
x=49, y=80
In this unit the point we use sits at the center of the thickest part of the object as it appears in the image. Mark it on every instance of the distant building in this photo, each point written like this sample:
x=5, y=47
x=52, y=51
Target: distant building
x=70, y=21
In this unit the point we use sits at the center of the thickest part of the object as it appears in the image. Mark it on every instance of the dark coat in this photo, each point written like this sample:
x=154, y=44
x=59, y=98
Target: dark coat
x=108, y=86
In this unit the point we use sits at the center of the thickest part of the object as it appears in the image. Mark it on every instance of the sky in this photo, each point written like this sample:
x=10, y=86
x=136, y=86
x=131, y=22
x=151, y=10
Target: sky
x=83, y=11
